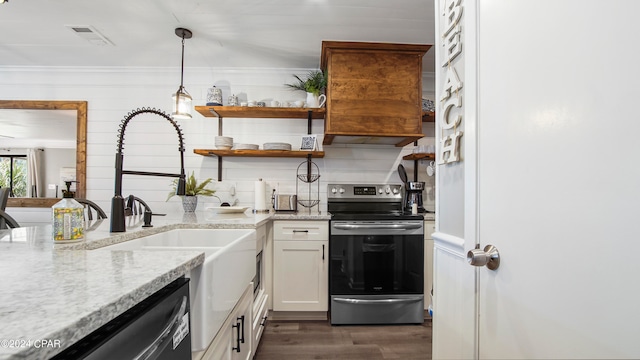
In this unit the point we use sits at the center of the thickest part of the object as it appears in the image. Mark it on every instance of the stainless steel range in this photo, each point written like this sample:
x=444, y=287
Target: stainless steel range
x=377, y=256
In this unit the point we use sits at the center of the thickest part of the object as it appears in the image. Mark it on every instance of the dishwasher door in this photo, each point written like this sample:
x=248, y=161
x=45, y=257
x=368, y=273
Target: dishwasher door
x=156, y=328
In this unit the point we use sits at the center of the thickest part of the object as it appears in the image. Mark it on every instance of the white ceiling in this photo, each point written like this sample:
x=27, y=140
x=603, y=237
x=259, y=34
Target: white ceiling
x=226, y=33
x=24, y=128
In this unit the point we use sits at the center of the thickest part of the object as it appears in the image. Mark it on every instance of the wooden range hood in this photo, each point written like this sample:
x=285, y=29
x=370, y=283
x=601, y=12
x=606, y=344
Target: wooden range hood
x=374, y=92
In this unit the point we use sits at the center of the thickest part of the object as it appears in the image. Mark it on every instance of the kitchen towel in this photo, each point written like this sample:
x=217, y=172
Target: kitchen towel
x=260, y=196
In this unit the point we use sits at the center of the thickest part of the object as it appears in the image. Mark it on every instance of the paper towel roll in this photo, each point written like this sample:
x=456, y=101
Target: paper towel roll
x=261, y=196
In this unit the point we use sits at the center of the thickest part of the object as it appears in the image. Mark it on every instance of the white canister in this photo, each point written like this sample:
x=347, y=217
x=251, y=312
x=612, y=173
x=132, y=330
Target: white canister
x=214, y=96
x=233, y=100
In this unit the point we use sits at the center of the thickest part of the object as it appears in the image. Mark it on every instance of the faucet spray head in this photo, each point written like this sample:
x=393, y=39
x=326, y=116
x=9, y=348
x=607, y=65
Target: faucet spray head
x=181, y=188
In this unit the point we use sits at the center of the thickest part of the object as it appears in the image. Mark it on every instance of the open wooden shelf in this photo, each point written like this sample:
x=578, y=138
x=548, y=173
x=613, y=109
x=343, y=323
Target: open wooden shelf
x=428, y=116
x=260, y=112
x=419, y=156
x=260, y=153
x=255, y=112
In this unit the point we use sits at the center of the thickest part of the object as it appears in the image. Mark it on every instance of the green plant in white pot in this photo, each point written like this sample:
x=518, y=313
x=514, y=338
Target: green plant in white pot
x=314, y=84
x=192, y=190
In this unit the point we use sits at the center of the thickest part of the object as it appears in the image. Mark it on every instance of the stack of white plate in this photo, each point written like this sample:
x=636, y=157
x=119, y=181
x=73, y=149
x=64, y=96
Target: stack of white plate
x=276, y=146
x=223, y=142
x=246, y=146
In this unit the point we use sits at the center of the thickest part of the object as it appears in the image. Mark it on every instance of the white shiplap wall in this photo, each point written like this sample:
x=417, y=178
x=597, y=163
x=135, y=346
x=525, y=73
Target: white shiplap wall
x=151, y=143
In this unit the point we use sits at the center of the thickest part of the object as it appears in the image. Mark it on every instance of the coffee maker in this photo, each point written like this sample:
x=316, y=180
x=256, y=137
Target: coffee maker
x=413, y=195
x=413, y=192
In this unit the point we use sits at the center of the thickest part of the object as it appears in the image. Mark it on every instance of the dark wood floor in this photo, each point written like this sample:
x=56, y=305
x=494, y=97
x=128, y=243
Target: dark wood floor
x=284, y=340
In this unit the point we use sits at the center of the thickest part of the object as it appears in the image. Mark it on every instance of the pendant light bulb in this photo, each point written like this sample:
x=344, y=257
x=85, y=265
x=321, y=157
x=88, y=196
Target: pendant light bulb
x=181, y=98
x=181, y=104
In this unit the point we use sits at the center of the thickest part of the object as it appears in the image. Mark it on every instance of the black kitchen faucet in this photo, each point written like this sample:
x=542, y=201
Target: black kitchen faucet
x=117, y=202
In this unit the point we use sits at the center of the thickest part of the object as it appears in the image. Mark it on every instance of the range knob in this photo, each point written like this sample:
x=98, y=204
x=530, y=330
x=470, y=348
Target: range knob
x=380, y=191
x=334, y=190
x=341, y=190
x=387, y=190
x=395, y=190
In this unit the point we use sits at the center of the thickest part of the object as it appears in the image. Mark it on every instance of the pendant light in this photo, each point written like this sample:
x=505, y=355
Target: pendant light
x=182, y=99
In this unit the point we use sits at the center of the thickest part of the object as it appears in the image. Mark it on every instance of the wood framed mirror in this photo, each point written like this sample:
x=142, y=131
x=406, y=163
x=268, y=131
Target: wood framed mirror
x=81, y=144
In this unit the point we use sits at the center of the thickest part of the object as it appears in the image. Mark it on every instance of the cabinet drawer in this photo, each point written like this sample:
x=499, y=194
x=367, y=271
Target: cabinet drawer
x=300, y=230
x=260, y=312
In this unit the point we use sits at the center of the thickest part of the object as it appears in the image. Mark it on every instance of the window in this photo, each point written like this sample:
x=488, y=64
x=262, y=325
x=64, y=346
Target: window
x=13, y=174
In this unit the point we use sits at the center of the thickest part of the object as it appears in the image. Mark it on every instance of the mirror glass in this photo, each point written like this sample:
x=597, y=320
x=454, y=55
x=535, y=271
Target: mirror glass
x=55, y=125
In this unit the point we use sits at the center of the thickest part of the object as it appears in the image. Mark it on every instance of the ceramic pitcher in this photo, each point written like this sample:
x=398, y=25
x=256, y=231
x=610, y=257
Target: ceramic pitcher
x=315, y=101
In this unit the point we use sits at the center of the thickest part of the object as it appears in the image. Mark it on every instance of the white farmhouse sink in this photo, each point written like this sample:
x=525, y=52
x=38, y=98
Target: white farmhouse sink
x=229, y=266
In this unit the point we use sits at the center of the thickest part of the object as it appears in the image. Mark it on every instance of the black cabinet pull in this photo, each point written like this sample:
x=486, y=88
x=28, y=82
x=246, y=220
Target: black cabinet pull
x=237, y=347
x=241, y=318
x=264, y=321
x=322, y=251
x=302, y=231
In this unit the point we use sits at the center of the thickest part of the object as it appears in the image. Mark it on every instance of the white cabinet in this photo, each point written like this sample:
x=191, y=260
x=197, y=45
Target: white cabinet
x=300, y=265
x=261, y=295
x=260, y=314
x=234, y=340
x=429, y=228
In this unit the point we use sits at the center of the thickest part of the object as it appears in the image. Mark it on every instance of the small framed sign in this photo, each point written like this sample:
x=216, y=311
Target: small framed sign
x=309, y=142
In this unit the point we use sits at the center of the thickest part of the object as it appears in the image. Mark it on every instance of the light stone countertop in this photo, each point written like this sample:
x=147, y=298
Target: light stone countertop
x=63, y=292
x=301, y=216
x=63, y=295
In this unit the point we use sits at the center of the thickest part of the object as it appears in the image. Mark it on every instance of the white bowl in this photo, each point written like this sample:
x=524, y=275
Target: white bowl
x=276, y=146
x=246, y=146
x=223, y=140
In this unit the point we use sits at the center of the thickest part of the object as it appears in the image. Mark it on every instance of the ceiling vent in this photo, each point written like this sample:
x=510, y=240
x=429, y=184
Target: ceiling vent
x=90, y=34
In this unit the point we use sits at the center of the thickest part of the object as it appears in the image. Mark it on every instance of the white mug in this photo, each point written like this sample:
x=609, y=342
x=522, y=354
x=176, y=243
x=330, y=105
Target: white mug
x=321, y=100
x=431, y=169
x=275, y=103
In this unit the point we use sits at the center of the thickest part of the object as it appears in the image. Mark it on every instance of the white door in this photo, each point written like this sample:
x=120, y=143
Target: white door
x=558, y=179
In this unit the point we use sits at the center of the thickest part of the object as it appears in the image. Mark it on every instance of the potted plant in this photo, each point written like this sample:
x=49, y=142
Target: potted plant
x=192, y=190
x=313, y=85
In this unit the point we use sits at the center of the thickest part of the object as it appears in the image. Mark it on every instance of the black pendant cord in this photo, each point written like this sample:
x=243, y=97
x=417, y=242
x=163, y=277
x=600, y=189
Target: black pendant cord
x=183, y=34
x=182, y=65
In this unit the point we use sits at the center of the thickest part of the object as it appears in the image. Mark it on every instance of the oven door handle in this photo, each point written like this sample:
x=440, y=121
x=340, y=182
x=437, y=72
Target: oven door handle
x=377, y=226
x=377, y=301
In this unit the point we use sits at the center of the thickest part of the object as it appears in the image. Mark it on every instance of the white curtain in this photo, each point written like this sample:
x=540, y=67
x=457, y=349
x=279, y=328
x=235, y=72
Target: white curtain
x=34, y=172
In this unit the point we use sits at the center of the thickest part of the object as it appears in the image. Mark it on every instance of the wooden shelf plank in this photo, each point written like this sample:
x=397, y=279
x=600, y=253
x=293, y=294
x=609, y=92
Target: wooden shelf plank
x=428, y=116
x=259, y=112
x=419, y=156
x=260, y=153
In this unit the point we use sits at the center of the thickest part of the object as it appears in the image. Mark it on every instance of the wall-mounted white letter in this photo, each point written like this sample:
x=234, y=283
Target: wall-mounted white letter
x=445, y=123
x=452, y=46
x=450, y=146
x=452, y=83
x=452, y=14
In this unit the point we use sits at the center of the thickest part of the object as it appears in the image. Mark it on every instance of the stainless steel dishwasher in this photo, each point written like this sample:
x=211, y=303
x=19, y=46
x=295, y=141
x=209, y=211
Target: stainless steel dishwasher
x=156, y=328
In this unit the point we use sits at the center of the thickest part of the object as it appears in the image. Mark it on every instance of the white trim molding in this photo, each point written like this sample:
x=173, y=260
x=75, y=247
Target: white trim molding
x=449, y=243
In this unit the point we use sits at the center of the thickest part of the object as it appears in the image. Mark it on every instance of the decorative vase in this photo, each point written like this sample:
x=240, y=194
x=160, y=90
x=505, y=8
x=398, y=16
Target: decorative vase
x=315, y=101
x=190, y=218
x=189, y=203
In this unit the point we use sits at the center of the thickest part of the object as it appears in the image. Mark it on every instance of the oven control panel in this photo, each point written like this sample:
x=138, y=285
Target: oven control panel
x=374, y=192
